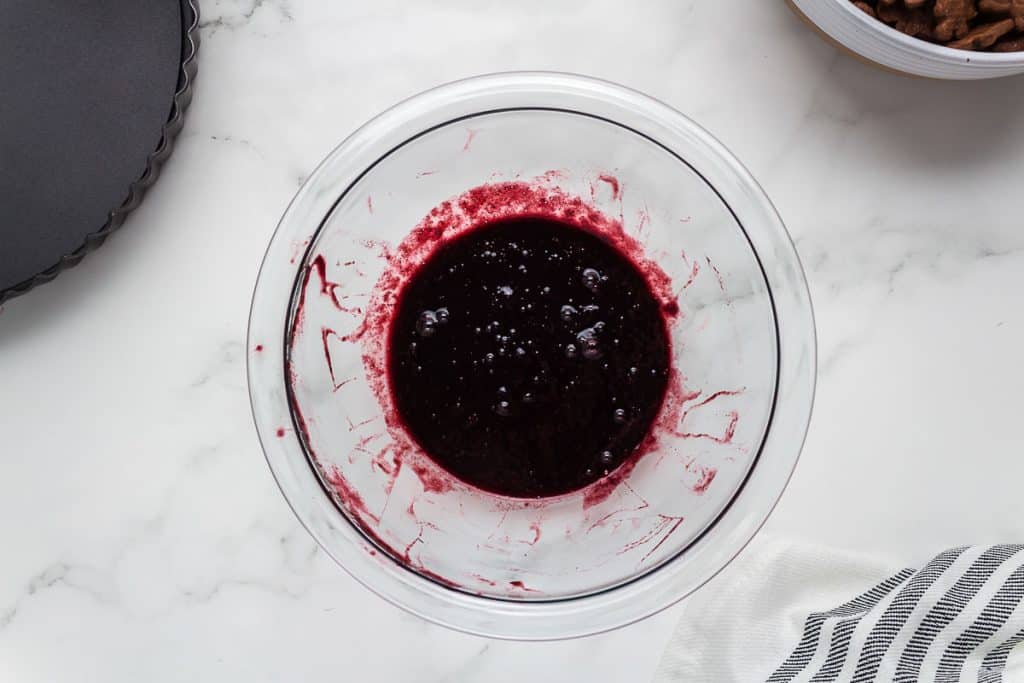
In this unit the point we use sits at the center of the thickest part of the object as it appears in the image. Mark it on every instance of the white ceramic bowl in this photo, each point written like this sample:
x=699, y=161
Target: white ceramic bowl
x=877, y=42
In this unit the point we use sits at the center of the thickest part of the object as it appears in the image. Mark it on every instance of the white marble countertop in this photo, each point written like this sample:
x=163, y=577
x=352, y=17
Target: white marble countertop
x=143, y=537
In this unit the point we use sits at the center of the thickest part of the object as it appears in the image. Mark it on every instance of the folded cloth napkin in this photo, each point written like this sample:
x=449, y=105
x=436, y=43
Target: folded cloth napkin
x=785, y=612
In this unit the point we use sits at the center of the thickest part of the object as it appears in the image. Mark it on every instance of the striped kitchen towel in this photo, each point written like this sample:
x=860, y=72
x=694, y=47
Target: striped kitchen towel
x=844, y=617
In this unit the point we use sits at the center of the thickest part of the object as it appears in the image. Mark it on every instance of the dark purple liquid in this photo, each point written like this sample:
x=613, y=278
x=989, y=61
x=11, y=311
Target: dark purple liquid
x=528, y=357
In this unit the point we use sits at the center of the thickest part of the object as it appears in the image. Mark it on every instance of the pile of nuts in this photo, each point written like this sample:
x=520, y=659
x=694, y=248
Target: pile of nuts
x=994, y=25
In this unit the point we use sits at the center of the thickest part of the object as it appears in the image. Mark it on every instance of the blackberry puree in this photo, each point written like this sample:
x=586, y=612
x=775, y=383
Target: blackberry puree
x=528, y=357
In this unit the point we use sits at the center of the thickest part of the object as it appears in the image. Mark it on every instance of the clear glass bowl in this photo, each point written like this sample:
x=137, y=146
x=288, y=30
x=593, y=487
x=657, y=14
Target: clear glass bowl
x=726, y=440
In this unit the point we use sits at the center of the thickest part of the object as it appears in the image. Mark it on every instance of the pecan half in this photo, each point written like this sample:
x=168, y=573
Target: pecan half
x=914, y=22
x=1006, y=8
x=983, y=36
x=953, y=18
